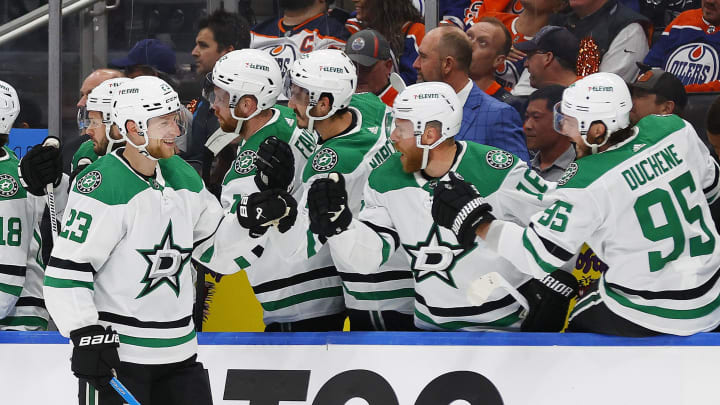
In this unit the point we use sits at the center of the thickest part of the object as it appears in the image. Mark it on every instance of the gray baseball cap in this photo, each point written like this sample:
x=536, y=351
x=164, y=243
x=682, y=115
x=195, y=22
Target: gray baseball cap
x=367, y=47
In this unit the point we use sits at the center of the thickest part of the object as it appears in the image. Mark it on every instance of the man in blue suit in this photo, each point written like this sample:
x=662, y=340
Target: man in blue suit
x=444, y=56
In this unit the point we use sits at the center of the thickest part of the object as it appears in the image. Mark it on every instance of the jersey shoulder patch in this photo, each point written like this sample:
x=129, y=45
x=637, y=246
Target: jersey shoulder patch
x=179, y=175
x=109, y=181
x=10, y=187
x=390, y=176
x=486, y=167
x=341, y=154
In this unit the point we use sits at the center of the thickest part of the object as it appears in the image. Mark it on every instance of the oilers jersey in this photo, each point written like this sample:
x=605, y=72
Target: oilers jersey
x=396, y=217
x=286, y=45
x=689, y=48
x=642, y=206
x=123, y=256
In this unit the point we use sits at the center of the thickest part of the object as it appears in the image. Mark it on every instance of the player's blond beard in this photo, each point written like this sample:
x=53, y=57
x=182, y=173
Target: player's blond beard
x=158, y=150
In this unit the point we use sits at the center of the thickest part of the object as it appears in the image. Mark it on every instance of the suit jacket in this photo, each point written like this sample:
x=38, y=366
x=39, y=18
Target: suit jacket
x=492, y=122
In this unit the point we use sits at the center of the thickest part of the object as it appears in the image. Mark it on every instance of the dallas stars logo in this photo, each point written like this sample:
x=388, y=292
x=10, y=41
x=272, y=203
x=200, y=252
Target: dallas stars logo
x=325, y=160
x=435, y=257
x=499, y=159
x=8, y=186
x=245, y=162
x=165, y=264
x=89, y=182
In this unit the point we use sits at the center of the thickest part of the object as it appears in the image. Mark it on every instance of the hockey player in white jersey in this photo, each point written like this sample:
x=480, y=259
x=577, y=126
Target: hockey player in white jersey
x=21, y=306
x=396, y=215
x=639, y=196
x=119, y=281
x=306, y=293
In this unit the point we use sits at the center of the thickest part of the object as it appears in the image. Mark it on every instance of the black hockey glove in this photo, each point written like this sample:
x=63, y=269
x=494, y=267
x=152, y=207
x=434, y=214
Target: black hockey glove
x=42, y=165
x=95, y=354
x=275, y=165
x=328, y=207
x=549, y=301
x=258, y=211
x=458, y=206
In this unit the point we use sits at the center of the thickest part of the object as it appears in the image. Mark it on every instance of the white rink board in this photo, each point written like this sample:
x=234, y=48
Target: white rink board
x=527, y=369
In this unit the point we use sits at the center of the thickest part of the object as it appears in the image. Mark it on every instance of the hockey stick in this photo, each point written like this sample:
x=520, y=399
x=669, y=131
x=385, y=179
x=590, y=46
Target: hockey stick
x=122, y=391
x=481, y=289
x=50, y=193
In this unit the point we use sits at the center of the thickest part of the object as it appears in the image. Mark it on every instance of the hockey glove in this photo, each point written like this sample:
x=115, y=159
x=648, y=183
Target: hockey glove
x=549, y=301
x=42, y=165
x=327, y=206
x=275, y=165
x=258, y=211
x=458, y=206
x=95, y=354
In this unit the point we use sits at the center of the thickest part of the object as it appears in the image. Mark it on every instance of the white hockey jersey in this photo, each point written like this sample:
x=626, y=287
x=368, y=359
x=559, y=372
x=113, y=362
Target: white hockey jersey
x=20, y=213
x=397, y=215
x=642, y=206
x=123, y=256
x=291, y=282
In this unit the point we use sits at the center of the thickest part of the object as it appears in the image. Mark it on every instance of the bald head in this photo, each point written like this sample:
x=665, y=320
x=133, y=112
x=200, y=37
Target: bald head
x=93, y=80
x=454, y=43
x=444, y=56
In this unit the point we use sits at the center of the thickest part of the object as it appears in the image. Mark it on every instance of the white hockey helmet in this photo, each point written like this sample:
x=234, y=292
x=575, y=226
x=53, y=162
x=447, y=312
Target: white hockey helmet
x=426, y=102
x=326, y=71
x=600, y=97
x=141, y=100
x=9, y=107
x=247, y=72
x=100, y=100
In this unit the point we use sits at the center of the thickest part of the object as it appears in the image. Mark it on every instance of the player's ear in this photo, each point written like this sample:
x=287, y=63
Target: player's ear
x=323, y=105
x=597, y=132
x=431, y=135
x=667, y=107
x=131, y=127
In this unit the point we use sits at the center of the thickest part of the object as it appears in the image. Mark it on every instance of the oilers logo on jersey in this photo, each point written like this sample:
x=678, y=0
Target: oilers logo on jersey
x=435, y=257
x=166, y=261
x=694, y=63
x=284, y=54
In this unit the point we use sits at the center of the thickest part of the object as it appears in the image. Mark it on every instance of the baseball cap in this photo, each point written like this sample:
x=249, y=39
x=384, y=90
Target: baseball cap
x=151, y=52
x=551, y=38
x=657, y=81
x=366, y=47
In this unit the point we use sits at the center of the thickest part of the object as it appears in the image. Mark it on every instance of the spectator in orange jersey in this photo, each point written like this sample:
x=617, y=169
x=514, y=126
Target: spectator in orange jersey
x=490, y=45
x=401, y=25
x=374, y=63
x=689, y=48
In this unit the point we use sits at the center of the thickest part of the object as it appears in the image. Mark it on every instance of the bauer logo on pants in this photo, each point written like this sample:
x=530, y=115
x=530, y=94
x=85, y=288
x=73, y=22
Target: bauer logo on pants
x=8, y=185
x=89, y=182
